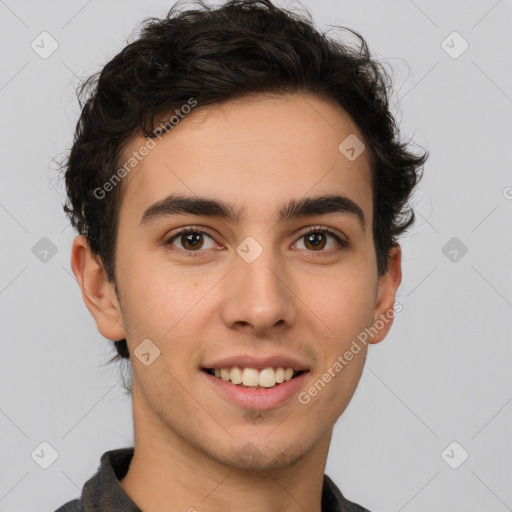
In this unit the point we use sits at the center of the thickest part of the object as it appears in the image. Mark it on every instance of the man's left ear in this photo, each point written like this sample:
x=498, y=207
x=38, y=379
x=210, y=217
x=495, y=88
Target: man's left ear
x=384, y=312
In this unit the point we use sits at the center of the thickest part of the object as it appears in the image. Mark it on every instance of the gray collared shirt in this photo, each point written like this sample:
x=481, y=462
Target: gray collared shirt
x=103, y=492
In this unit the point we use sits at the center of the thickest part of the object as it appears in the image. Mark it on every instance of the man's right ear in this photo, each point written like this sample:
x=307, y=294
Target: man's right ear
x=98, y=294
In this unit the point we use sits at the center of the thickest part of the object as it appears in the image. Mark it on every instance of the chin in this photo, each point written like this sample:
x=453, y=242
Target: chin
x=260, y=455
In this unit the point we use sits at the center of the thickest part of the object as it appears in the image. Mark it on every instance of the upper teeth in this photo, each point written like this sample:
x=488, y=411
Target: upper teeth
x=267, y=377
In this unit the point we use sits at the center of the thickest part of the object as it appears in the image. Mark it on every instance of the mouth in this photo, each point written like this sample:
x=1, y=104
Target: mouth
x=255, y=378
x=264, y=388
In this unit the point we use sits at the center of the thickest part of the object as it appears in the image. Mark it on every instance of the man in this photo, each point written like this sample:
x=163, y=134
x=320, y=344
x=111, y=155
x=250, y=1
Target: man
x=239, y=186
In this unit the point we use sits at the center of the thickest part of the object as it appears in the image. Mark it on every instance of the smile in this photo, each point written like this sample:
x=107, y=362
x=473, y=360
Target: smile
x=253, y=377
x=255, y=396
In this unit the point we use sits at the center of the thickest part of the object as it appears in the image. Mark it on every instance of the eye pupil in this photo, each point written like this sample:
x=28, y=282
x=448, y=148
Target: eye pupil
x=313, y=238
x=191, y=239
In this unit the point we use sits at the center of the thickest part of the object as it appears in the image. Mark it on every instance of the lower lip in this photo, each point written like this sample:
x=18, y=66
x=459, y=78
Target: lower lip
x=258, y=398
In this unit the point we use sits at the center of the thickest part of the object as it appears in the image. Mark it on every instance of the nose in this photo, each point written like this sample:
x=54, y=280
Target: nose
x=257, y=296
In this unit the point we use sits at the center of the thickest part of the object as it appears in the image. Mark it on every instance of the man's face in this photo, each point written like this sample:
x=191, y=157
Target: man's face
x=210, y=300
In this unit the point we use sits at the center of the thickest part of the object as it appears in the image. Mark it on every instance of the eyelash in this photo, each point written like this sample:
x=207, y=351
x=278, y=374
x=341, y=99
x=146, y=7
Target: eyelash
x=316, y=229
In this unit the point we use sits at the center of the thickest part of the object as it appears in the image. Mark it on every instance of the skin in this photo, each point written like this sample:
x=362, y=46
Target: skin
x=294, y=299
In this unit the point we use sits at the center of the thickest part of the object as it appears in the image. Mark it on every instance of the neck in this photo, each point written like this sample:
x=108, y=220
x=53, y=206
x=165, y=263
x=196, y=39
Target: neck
x=168, y=474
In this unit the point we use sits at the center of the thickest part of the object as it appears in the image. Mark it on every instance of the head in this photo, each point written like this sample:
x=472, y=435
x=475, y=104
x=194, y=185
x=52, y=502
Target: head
x=257, y=116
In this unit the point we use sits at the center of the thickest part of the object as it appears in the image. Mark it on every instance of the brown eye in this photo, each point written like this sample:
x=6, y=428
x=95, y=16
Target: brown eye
x=317, y=239
x=191, y=240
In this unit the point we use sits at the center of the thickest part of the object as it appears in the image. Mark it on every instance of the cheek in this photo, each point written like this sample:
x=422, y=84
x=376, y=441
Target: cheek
x=344, y=302
x=166, y=309
x=347, y=308
x=157, y=299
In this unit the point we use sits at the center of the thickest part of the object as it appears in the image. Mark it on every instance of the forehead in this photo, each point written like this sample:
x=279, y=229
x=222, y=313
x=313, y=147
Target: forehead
x=257, y=152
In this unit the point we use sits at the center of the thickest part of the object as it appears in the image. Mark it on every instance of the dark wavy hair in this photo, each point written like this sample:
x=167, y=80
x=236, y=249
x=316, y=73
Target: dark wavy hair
x=214, y=54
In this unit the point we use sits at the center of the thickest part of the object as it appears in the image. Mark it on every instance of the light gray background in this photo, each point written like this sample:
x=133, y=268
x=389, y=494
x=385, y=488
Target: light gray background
x=442, y=375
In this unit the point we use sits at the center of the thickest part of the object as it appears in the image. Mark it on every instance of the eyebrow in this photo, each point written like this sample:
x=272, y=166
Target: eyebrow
x=177, y=204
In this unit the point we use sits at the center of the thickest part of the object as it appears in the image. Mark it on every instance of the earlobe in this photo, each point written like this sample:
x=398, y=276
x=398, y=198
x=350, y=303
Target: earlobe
x=388, y=285
x=98, y=294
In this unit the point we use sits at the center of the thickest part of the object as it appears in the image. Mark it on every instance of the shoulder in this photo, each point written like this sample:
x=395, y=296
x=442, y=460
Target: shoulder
x=334, y=501
x=71, y=506
x=354, y=507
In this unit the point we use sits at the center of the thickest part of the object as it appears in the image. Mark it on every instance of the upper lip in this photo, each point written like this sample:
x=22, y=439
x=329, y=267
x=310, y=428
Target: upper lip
x=246, y=361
